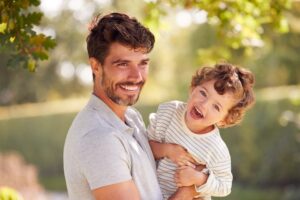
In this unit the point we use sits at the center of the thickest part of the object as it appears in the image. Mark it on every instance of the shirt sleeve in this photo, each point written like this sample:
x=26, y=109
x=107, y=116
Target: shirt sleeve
x=160, y=121
x=219, y=181
x=103, y=159
x=152, y=132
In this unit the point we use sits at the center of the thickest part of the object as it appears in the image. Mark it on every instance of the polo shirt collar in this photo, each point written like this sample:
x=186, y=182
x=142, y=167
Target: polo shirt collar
x=107, y=114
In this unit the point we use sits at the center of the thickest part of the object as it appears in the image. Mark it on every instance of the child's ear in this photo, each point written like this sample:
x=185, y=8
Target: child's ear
x=221, y=123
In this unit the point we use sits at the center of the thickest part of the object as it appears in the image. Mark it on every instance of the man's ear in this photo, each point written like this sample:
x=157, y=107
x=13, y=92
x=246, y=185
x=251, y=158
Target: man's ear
x=96, y=66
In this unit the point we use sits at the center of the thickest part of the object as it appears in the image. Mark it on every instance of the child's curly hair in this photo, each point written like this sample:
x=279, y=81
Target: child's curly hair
x=229, y=78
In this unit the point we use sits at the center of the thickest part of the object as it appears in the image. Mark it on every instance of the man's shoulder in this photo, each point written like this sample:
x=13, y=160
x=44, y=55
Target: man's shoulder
x=89, y=122
x=86, y=118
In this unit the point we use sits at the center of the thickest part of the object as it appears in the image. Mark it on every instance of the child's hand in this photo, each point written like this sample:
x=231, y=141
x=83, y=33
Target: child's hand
x=187, y=176
x=180, y=156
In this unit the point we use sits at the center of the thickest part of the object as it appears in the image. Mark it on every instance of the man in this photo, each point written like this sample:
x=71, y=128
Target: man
x=106, y=153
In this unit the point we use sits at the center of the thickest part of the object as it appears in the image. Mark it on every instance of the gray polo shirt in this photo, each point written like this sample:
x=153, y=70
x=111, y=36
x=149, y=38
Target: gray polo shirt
x=101, y=150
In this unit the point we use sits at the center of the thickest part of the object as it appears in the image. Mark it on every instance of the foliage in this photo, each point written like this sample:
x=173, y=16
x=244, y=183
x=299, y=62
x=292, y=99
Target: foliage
x=18, y=39
x=239, y=24
x=7, y=193
x=20, y=86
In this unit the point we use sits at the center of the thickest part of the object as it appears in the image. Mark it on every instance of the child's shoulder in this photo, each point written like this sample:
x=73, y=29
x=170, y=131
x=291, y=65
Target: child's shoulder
x=171, y=105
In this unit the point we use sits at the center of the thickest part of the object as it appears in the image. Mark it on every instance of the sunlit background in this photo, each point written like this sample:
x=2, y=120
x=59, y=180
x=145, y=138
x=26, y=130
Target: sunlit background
x=36, y=109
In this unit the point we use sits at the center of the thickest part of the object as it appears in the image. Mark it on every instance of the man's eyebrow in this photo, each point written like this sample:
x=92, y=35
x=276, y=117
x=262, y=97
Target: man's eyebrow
x=119, y=60
x=127, y=61
x=146, y=59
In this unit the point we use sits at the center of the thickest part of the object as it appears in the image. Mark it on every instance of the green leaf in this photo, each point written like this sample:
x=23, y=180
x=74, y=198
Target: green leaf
x=31, y=65
x=12, y=39
x=35, y=2
x=42, y=55
x=34, y=18
x=3, y=27
x=283, y=26
x=49, y=43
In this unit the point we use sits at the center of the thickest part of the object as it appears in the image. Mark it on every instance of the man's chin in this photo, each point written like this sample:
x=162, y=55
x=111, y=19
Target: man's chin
x=126, y=102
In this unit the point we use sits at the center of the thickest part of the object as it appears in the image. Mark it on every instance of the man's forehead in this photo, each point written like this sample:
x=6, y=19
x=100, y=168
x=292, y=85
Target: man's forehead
x=126, y=50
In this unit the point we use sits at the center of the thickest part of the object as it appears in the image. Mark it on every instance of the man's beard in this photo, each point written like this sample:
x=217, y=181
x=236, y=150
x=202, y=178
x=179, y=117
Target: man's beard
x=110, y=88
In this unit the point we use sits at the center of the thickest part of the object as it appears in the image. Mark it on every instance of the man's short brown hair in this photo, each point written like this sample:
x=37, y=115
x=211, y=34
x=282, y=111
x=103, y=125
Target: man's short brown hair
x=117, y=27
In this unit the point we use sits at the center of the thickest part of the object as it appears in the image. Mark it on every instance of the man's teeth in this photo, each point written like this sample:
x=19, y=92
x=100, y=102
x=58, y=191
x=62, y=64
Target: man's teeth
x=130, y=87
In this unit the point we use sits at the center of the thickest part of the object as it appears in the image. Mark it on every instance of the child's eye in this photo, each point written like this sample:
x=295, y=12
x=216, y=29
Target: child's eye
x=203, y=93
x=217, y=108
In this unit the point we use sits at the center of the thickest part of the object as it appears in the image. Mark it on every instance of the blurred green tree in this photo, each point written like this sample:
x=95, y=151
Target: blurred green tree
x=21, y=44
x=239, y=24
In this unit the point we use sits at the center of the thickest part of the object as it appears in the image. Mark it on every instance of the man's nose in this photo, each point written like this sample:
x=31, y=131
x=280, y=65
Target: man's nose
x=136, y=74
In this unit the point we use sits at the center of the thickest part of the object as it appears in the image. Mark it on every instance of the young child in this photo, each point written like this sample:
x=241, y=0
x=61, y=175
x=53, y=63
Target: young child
x=183, y=135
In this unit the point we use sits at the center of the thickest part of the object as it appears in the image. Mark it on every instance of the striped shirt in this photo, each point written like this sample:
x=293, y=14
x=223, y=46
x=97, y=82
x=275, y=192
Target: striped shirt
x=167, y=125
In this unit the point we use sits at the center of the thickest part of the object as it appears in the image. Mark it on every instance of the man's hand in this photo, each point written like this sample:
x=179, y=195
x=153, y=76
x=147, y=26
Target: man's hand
x=187, y=176
x=184, y=193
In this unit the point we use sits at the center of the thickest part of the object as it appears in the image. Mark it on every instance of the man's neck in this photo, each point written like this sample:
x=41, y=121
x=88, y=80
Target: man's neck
x=119, y=110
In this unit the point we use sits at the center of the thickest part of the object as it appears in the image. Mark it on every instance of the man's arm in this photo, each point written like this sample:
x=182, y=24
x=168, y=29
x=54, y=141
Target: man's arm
x=120, y=191
x=185, y=193
x=187, y=176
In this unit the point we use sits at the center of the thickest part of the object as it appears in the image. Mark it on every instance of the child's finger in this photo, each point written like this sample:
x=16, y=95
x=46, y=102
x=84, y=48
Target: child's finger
x=188, y=163
x=181, y=167
x=181, y=163
x=190, y=158
x=179, y=185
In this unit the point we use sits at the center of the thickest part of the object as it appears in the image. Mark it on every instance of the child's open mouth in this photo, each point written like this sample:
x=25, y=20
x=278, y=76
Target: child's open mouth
x=196, y=113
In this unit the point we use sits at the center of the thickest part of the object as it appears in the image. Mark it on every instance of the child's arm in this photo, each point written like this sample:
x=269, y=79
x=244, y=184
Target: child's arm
x=174, y=152
x=218, y=182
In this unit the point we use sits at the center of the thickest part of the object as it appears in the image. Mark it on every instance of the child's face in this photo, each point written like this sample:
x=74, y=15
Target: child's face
x=205, y=107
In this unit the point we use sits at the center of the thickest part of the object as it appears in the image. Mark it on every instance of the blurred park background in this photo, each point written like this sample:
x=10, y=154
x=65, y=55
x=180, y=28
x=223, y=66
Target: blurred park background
x=39, y=99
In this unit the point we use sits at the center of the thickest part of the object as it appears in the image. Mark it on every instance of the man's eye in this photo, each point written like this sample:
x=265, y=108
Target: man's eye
x=122, y=64
x=144, y=65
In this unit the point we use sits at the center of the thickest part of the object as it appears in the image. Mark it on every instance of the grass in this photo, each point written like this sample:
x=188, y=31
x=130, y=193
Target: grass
x=250, y=193
x=54, y=183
